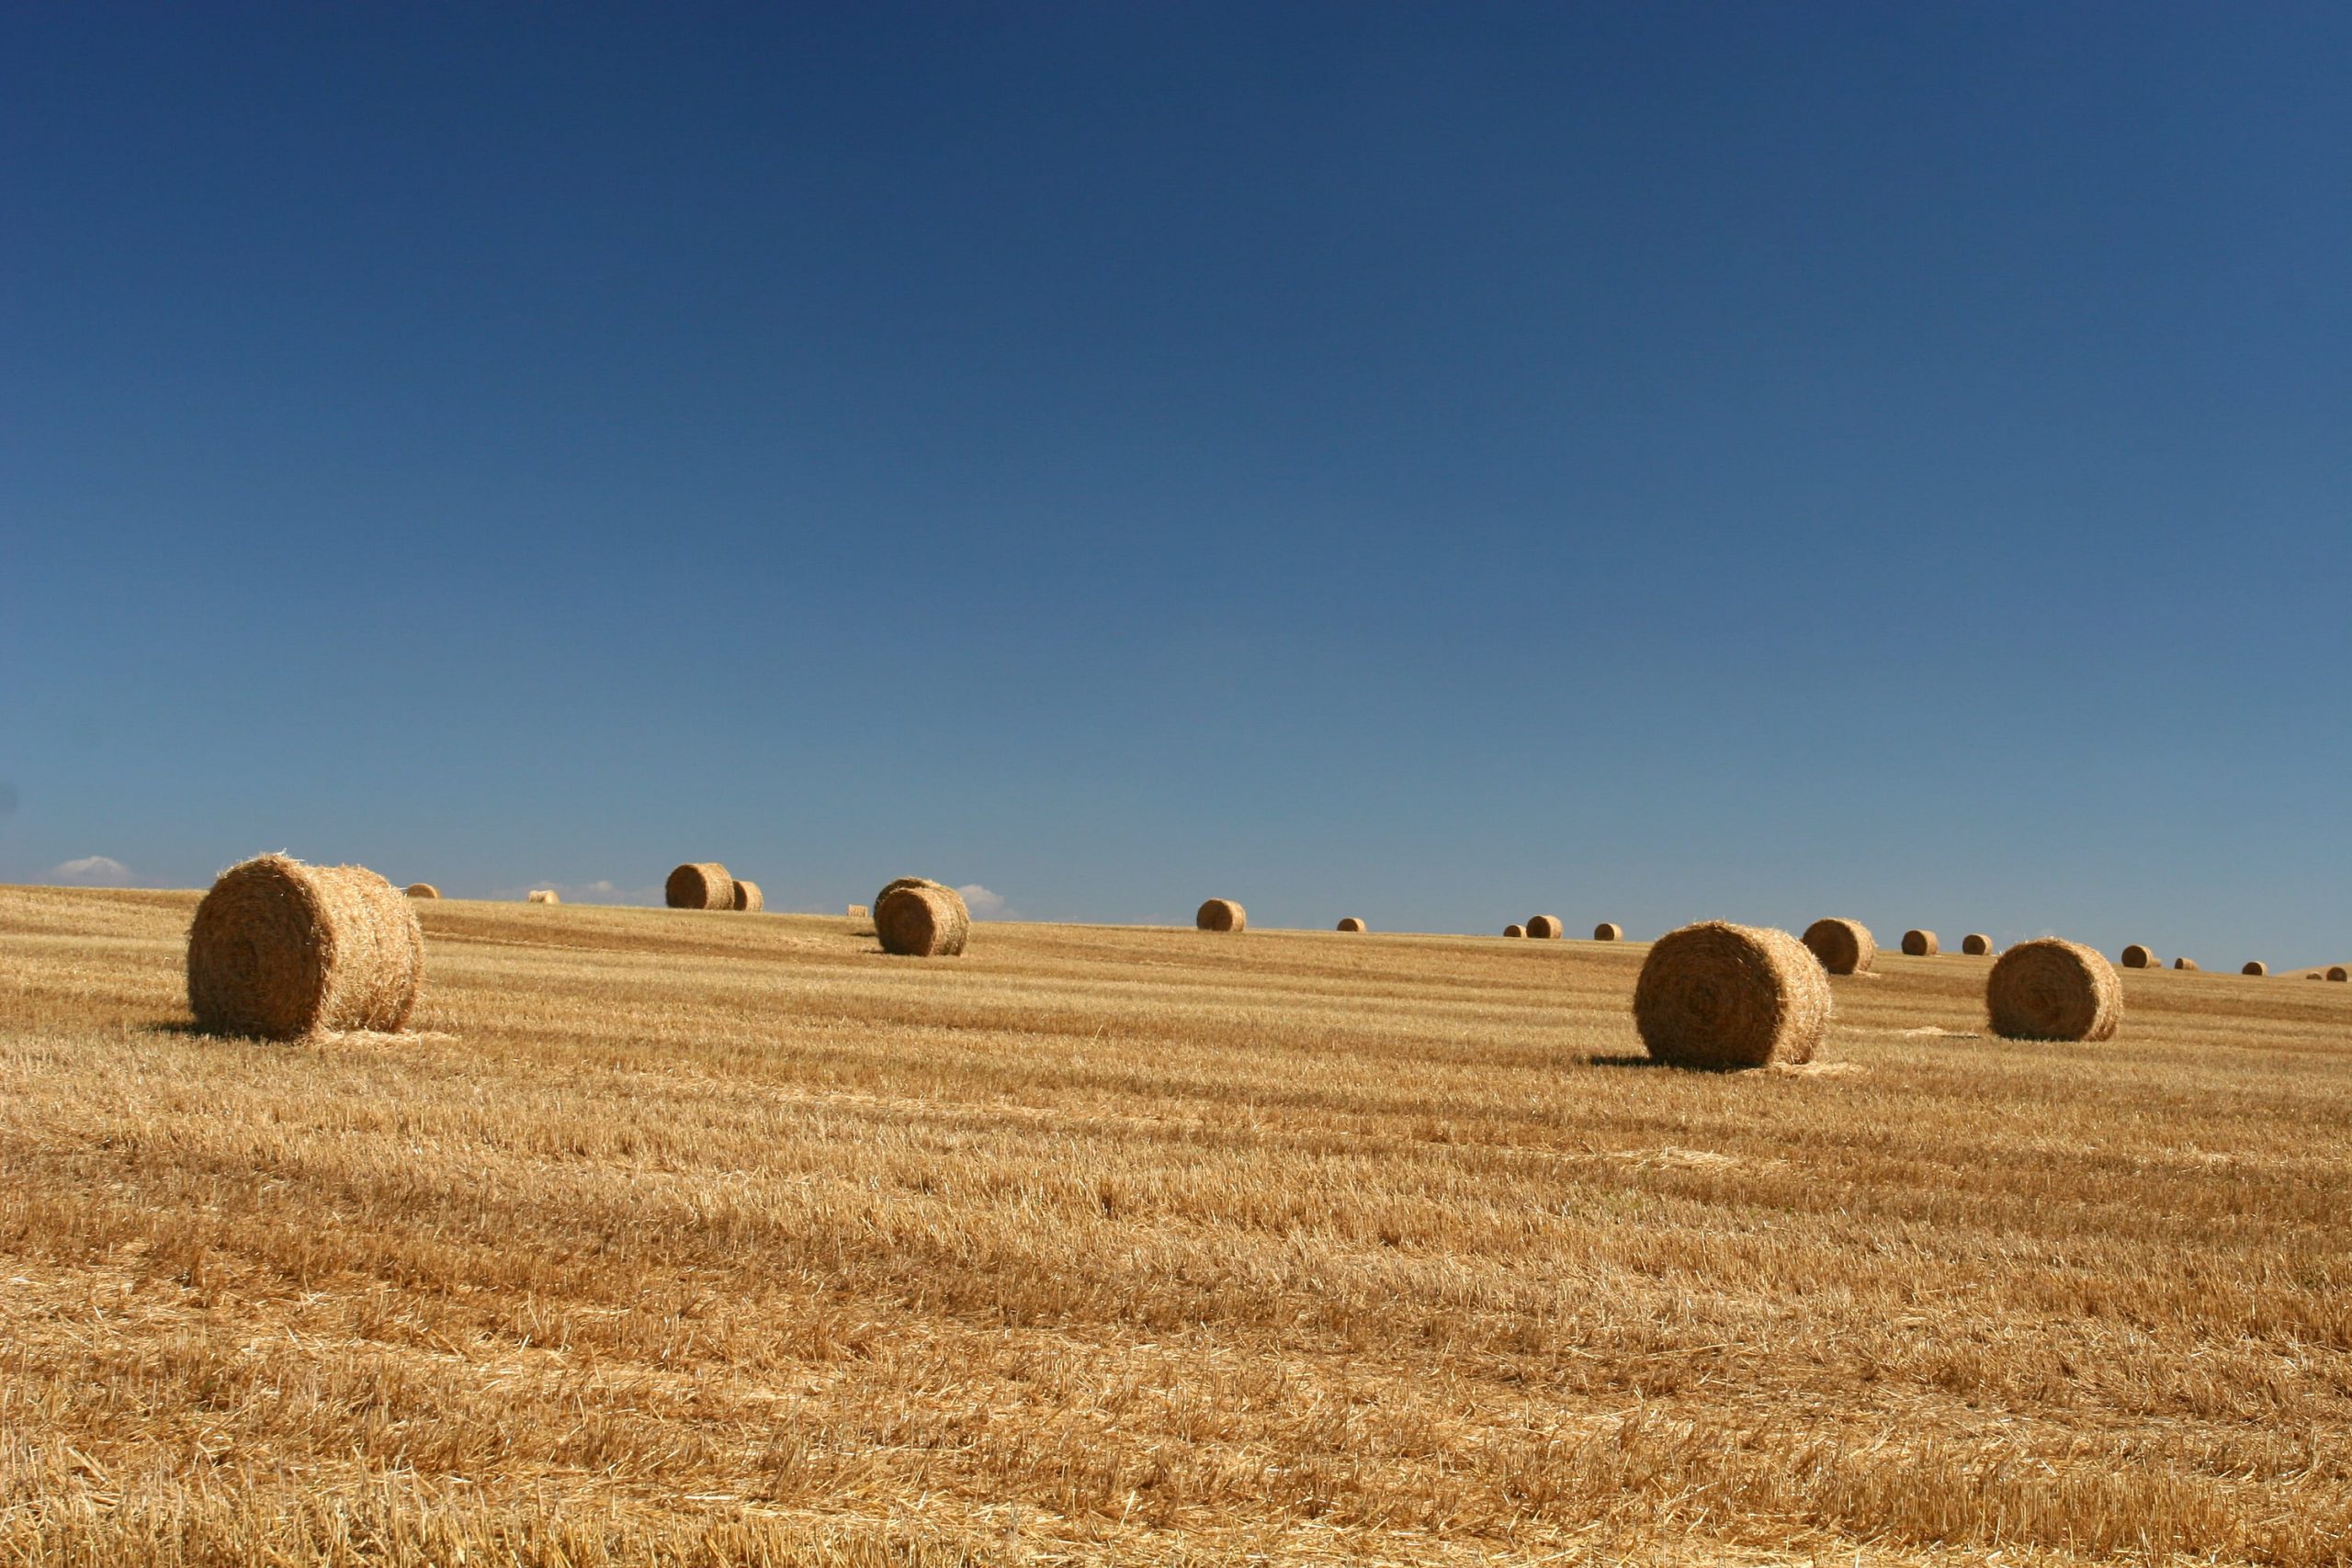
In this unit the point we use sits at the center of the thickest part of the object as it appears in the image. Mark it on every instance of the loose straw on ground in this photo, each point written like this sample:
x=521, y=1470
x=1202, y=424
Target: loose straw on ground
x=283, y=950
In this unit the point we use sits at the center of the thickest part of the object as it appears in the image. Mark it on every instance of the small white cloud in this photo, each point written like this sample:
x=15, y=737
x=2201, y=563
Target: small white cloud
x=985, y=905
x=92, y=871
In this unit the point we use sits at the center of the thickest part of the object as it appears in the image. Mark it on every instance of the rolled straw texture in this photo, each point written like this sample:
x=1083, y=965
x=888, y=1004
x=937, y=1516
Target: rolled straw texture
x=2256, y=966
x=747, y=896
x=1920, y=944
x=1544, y=925
x=1350, y=923
x=1514, y=931
x=2051, y=989
x=1844, y=947
x=1976, y=944
x=922, y=920
x=283, y=950
x=700, y=884
x=1608, y=930
x=2138, y=958
x=1716, y=995
x=1222, y=915
x=423, y=890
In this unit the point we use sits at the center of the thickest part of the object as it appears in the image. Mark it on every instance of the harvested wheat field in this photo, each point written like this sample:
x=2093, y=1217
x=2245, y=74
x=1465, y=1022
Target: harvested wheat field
x=664, y=1238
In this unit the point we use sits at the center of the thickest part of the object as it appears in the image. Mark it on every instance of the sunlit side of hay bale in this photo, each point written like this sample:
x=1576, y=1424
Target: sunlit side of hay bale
x=1716, y=995
x=1350, y=923
x=282, y=950
x=922, y=919
x=2187, y=963
x=699, y=884
x=2255, y=966
x=1844, y=947
x=2051, y=989
x=1546, y=928
x=1221, y=915
x=1608, y=930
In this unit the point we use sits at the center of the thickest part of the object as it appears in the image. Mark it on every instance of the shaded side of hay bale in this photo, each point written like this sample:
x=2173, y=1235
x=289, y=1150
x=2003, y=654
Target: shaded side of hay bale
x=1920, y=944
x=282, y=950
x=922, y=919
x=1844, y=947
x=747, y=896
x=2138, y=958
x=1716, y=995
x=2054, y=990
x=1608, y=930
x=2189, y=963
x=1514, y=931
x=1350, y=923
x=2337, y=972
x=423, y=890
x=1221, y=915
x=542, y=896
x=1976, y=944
x=2255, y=966
x=1546, y=927
x=699, y=884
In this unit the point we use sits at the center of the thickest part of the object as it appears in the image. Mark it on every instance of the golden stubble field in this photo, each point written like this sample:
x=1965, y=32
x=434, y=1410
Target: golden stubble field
x=718, y=1238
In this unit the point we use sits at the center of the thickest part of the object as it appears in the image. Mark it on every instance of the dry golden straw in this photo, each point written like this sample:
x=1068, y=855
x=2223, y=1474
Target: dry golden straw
x=1222, y=915
x=2189, y=964
x=2138, y=958
x=542, y=896
x=922, y=919
x=860, y=912
x=423, y=890
x=2050, y=989
x=747, y=896
x=1715, y=995
x=2256, y=967
x=1514, y=931
x=283, y=950
x=1608, y=930
x=1844, y=947
x=1976, y=944
x=700, y=884
x=1544, y=925
x=1920, y=944
x=1350, y=923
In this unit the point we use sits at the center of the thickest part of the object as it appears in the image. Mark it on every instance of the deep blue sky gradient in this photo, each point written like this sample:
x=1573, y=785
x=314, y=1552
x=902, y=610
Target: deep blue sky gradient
x=1643, y=462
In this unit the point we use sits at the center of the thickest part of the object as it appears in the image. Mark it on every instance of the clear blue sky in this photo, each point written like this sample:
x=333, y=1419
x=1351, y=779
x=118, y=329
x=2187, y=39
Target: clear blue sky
x=1431, y=463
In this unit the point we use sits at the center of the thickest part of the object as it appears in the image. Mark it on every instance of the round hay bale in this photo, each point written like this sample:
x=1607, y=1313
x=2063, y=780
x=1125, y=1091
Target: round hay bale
x=1544, y=927
x=2138, y=958
x=2187, y=963
x=1608, y=930
x=1920, y=944
x=2337, y=972
x=2255, y=966
x=2051, y=989
x=542, y=896
x=922, y=919
x=700, y=884
x=1222, y=915
x=423, y=890
x=1976, y=944
x=1844, y=947
x=1350, y=923
x=1514, y=931
x=2314, y=974
x=1715, y=995
x=747, y=896
x=282, y=950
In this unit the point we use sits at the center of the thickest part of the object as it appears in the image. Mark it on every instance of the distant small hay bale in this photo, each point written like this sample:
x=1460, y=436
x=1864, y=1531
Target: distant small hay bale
x=1221, y=915
x=283, y=950
x=894, y=885
x=2138, y=958
x=1545, y=927
x=1608, y=930
x=2314, y=974
x=1844, y=947
x=2337, y=972
x=542, y=896
x=2187, y=963
x=922, y=919
x=2053, y=989
x=1715, y=995
x=1350, y=923
x=423, y=890
x=2256, y=966
x=699, y=884
x=1514, y=931
x=860, y=912
x=1920, y=944
x=1976, y=944
x=747, y=896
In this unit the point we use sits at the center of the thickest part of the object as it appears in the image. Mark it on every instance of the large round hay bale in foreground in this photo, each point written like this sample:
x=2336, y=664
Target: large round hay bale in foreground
x=542, y=896
x=283, y=950
x=700, y=884
x=1718, y=996
x=1514, y=931
x=1844, y=947
x=2051, y=989
x=1546, y=927
x=2337, y=972
x=2187, y=963
x=1222, y=915
x=1920, y=944
x=2138, y=958
x=1608, y=930
x=1350, y=923
x=747, y=896
x=2256, y=967
x=922, y=919
x=1976, y=944
x=423, y=890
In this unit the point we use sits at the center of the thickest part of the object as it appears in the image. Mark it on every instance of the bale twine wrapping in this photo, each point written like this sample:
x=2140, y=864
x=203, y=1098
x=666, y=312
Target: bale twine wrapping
x=1608, y=930
x=2256, y=967
x=1920, y=944
x=2053, y=989
x=542, y=896
x=282, y=950
x=1716, y=995
x=1844, y=947
x=1350, y=923
x=2337, y=972
x=1976, y=944
x=700, y=884
x=922, y=919
x=1514, y=931
x=2138, y=958
x=1546, y=927
x=1222, y=915
x=747, y=896
x=423, y=890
